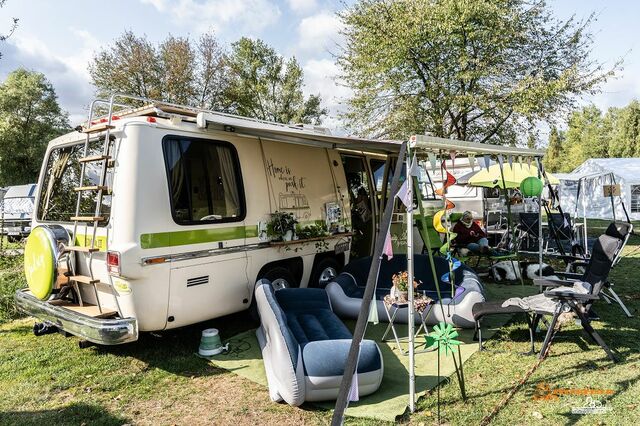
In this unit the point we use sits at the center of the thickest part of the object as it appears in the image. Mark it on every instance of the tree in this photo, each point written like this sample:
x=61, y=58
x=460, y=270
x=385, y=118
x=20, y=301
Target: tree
x=483, y=70
x=554, y=156
x=265, y=86
x=587, y=137
x=29, y=118
x=177, y=70
x=12, y=27
x=625, y=133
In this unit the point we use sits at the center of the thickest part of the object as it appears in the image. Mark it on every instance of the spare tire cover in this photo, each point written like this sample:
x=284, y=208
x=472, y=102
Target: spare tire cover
x=41, y=258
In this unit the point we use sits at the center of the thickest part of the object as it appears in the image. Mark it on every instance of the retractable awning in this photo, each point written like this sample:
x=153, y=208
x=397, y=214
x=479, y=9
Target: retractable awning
x=291, y=133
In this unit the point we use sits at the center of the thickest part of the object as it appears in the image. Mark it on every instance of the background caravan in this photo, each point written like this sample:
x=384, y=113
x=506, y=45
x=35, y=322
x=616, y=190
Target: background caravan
x=161, y=216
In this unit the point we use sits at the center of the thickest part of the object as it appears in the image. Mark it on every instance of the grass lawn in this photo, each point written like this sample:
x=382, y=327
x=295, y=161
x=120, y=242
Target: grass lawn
x=158, y=380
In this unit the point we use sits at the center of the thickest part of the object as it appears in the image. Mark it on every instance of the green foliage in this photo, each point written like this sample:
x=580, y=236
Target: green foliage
x=252, y=80
x=482, y=70
x=311, y=231
x=264, y=85
x=625, y=132
x=554, y=151
x=11, y=279
x=169, y=71
x=280, y=223
x=29, y=118
x=592, y=134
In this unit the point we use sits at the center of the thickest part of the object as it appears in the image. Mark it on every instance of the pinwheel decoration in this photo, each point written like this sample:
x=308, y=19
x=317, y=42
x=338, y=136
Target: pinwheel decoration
x=453, y=265
x=443, y=337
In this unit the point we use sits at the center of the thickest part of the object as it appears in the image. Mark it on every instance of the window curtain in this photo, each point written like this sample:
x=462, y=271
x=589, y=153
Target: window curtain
x=229, y=184
x=174, y=155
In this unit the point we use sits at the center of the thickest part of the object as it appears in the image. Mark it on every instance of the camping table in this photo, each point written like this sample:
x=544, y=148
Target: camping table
x=393, y=306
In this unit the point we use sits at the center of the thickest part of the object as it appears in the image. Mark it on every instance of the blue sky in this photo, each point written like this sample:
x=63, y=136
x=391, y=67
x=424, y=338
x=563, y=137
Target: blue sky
x=59, y=37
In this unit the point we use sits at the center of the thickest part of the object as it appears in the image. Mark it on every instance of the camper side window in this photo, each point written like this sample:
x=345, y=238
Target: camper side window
x=204, y=180
x=635, y=198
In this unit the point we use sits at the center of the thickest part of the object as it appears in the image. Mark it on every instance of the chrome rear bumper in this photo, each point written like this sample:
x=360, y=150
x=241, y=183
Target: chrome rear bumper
x=97, y=330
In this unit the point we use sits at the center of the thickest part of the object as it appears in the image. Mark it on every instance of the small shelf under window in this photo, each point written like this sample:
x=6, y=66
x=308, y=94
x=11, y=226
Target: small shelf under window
x=310, y=240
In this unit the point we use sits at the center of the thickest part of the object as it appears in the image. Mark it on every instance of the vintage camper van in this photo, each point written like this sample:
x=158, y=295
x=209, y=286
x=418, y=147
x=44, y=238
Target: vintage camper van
x=17, y=208
x=157, y=217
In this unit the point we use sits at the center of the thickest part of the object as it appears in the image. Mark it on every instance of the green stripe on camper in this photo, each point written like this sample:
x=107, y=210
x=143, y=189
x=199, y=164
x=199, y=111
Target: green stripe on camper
x=196, y=236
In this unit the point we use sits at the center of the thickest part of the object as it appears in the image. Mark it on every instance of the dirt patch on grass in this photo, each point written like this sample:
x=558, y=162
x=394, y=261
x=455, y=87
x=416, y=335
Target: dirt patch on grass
x=225, y=399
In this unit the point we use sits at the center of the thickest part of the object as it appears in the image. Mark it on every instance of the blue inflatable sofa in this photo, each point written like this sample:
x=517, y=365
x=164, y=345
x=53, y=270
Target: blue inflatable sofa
x=305, y=345
x=346, y=290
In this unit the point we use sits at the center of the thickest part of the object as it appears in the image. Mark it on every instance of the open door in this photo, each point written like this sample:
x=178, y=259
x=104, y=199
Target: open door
x=363, y=218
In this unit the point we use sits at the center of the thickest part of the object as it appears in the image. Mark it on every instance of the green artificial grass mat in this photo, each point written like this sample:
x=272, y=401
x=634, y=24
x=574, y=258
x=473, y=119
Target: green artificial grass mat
x=391, y=400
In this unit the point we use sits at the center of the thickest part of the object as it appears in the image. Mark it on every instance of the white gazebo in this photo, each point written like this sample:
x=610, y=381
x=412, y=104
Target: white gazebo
x=585, y=191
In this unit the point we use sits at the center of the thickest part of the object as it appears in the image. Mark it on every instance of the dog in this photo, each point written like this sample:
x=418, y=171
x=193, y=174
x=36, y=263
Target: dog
x=508, y=270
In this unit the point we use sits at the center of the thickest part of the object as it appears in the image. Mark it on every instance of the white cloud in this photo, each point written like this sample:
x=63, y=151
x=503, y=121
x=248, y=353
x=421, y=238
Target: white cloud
x=302, y=6
x=617, y=92
x=248, y=15
x=161, y=5
x=319, y=32
x=67, y=73
x=320, y=76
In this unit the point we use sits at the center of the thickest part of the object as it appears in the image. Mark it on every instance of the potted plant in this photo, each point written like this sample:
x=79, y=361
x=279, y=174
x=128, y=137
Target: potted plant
x=282, y=226
x=311, y=231
x=400, y=288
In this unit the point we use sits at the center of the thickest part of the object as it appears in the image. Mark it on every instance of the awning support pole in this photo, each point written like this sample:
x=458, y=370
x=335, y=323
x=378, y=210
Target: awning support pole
x=358, y=334
x=411, y=325
x=540, y=242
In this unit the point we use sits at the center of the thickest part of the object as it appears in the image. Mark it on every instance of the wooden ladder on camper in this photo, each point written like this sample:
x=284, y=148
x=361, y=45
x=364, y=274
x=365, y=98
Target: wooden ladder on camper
x=76, y=280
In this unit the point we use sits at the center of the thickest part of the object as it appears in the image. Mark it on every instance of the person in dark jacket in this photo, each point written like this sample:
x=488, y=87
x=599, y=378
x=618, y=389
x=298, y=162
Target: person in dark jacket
x=470, y=235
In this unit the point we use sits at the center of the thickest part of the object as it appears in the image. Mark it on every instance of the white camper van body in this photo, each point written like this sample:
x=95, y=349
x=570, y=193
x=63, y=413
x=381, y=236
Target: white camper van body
x=180, y=259
x=17, y=208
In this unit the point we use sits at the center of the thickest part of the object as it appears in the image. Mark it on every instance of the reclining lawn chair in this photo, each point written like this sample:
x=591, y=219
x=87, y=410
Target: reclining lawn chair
x=621, y=231
x=562, y=298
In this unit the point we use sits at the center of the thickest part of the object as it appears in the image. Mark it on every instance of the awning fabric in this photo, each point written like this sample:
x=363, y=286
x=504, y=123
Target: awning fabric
x=513, y=176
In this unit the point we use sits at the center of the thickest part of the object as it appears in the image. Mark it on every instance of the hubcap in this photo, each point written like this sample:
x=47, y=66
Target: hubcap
x=327, y=275
x=280, y=283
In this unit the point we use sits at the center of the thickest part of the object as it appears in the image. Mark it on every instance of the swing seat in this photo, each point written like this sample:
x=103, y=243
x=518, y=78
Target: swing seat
x=346, y=290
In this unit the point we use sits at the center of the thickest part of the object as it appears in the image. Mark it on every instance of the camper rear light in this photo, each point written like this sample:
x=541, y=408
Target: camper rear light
x=113, y=262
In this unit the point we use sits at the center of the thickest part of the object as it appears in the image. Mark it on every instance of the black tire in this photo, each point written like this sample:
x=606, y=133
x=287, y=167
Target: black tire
x=280, y=278
x=273, y=275
x=327, y=269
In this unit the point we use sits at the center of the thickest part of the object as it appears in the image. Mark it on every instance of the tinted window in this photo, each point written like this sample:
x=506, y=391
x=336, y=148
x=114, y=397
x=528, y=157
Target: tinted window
x=57, y=197
x=204, y=180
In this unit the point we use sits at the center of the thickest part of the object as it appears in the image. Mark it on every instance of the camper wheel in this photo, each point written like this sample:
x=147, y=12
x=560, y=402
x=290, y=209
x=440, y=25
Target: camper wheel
x=324, y=272
x=280, y=278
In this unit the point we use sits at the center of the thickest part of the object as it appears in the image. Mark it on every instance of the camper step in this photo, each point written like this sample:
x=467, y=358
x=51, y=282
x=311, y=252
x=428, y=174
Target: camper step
x=83, y=279
x=98, y=128
x=94, y=158
x=88, y=309
x=87, y=218
x=91, y=188
x=81, y=249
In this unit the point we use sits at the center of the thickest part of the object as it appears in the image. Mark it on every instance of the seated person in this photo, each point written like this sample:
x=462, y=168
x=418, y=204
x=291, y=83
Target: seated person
x=470, y=235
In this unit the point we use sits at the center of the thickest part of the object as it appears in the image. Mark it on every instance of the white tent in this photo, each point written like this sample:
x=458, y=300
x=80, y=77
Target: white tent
x=592, y=177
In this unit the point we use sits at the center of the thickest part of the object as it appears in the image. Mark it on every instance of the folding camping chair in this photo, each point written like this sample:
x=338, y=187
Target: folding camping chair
x=595, y=275
x=621, y=231
x=429, y=234
x=527, y=231
x=560, y=235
